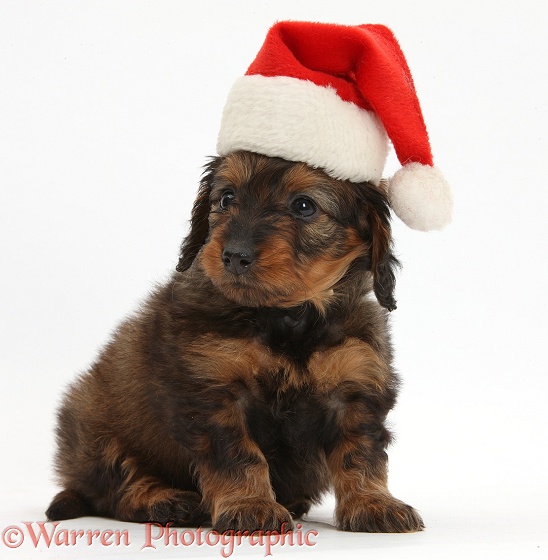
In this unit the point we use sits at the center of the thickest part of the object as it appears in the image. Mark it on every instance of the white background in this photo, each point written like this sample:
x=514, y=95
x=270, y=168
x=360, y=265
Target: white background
x=107, y=112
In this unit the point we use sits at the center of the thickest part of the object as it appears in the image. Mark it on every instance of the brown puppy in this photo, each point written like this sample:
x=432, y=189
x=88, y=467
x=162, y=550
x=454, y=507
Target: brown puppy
x=259, y=378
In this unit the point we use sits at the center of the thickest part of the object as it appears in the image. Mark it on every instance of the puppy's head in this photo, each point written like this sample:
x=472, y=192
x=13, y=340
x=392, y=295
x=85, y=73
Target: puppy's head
x=274, y=233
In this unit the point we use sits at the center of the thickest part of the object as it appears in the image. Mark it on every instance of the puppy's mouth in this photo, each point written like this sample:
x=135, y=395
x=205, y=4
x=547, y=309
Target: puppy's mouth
x=283, y=283
x=273, y=274
x=246, y=284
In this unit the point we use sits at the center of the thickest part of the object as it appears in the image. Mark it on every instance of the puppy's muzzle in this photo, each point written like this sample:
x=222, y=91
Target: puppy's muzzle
x=238, y=259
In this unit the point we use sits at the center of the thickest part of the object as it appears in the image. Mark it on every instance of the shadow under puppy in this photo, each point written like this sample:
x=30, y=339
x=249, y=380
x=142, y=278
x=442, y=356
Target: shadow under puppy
x=260, y=376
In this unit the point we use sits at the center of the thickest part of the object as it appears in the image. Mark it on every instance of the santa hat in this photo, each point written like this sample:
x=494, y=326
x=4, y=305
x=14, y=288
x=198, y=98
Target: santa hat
x=332, y=96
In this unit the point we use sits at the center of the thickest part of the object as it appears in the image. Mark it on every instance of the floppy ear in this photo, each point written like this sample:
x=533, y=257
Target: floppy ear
x=381, y=262
x=199, y=221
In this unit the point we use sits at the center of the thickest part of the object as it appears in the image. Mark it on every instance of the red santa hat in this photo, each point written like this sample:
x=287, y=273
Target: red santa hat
x=332, y=96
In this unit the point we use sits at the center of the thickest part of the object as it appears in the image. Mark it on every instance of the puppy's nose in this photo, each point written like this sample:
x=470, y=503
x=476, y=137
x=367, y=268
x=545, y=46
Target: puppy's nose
x=238, y=260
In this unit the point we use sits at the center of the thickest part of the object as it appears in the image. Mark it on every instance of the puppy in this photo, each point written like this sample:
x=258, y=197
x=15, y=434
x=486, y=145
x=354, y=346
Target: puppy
x=259, y=378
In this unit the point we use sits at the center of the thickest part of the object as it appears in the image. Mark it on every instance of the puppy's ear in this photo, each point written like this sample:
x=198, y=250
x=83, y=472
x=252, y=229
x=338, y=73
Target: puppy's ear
x=377, y=232
x=199, y=221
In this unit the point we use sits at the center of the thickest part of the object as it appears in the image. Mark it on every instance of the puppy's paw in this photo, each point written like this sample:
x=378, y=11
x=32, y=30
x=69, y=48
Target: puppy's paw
x=178, y=507
x=68, y=504
x=183, y=509
x=253, y=514
x=379, y=513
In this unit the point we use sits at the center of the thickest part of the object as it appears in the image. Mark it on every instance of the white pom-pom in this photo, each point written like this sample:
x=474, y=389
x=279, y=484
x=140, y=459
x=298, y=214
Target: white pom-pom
x=421, y=197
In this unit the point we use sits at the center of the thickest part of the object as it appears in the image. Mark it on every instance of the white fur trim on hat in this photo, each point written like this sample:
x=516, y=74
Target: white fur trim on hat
x=421, y=197
x=301, y=121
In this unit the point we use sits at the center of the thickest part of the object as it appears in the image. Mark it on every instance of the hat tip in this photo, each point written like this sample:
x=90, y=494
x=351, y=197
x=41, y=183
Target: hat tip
x=421, y=197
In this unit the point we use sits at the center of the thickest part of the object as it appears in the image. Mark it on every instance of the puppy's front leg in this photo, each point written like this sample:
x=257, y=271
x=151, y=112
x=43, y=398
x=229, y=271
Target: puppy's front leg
x=234, y=477
x=358, y=465
x=361, y=388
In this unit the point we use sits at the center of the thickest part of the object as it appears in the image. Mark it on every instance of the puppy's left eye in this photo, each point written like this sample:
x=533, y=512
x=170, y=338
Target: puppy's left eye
x=226, y=200
x=303, y=207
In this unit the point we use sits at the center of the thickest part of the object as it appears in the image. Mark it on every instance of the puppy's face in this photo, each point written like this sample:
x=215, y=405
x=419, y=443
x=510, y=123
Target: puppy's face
x=281, y=233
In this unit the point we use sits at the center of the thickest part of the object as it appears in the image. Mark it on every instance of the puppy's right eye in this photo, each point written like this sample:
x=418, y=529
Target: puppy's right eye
x=303, y=207
x=226, y=200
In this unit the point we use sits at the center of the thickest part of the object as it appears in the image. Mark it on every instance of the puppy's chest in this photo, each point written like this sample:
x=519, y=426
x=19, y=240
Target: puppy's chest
x=284, y=360
x=296, y=333
x=294, y=418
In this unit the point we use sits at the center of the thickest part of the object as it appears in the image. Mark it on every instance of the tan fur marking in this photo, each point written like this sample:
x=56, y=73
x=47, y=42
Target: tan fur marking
x=144, y=493
x=302, y=178
x=225, y=360
x=138, y=491
x=223, y=490
x=322, y=274
x=284, y=282
x=349, y=482
x=235, y=170
x=354, y=360
x=220, y=492
x=314, y=183
x=210, y=256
